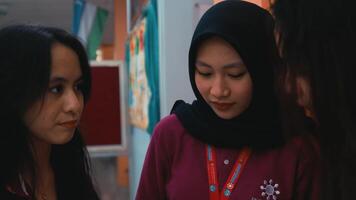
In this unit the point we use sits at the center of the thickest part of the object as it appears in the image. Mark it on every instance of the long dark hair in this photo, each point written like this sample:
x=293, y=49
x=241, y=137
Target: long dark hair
x=318, y=42
x=25, y=66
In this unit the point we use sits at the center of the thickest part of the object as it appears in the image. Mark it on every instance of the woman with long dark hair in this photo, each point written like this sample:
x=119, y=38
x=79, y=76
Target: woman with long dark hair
x=317, y=41
x=44, y=83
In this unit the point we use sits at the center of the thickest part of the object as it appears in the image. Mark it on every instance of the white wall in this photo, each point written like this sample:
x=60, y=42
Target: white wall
x=176, y=23
x=139, y=143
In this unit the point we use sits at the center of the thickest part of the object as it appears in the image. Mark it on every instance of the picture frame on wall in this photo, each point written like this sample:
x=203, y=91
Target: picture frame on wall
x=104, y=122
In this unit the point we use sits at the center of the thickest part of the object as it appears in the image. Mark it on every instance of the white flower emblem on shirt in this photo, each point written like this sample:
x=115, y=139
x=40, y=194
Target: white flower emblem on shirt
x=269, y=190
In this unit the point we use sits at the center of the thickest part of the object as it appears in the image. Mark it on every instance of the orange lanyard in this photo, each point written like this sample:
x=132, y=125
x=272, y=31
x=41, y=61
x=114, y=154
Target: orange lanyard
x=234, y=176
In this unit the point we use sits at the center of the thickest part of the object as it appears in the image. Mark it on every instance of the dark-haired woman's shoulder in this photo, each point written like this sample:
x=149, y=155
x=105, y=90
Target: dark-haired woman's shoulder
x=293, y=167
x=301, y=155
x=308, y=169
x=307, y=145
x=169, y=123
x=169, y=130
x=169, y=146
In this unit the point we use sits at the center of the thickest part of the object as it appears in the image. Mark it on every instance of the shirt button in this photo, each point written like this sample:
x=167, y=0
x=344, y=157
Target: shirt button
x=226, y=162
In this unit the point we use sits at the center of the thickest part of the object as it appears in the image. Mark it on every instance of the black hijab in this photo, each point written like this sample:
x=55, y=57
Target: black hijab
x=249, y=29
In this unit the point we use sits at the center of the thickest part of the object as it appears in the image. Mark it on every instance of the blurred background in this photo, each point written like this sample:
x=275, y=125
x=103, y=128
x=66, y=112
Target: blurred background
x=139, y=58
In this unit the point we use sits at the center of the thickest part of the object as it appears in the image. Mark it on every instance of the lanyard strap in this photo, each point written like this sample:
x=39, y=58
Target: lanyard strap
x=233, y=177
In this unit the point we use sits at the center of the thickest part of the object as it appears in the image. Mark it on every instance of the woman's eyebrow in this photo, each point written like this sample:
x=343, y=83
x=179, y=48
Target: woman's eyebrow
x=202, y=64
x=229, y=65
x=59, y=79
x=234, y=64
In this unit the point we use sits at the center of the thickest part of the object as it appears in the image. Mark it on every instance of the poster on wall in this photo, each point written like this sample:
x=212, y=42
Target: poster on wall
x=103, y=122
x=139, y=90
x=136, y=7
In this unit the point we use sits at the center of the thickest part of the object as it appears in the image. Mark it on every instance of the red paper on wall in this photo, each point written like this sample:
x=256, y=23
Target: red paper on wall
x=100, y=124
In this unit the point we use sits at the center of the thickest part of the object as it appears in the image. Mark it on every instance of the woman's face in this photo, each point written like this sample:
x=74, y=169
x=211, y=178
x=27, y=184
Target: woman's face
x=222, y=78
x=54, y=118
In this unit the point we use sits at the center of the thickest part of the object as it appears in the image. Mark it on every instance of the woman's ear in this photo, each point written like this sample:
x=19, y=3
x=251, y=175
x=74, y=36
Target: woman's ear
x=303, y=92
x=304, y=98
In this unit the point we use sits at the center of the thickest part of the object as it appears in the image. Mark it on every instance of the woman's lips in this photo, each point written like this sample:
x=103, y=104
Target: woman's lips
x=69, y=124
x=222, y=106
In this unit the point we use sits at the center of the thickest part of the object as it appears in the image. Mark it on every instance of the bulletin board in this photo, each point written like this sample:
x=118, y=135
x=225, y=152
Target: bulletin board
x=143, y=71
x=103, y=123
x=136, y=7
x=139, y=91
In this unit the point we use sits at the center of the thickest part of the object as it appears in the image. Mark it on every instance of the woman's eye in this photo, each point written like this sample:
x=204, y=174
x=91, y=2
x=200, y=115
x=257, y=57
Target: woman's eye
x=204, y=73
x=79, y=87
x=237, y=75
x=56, y=89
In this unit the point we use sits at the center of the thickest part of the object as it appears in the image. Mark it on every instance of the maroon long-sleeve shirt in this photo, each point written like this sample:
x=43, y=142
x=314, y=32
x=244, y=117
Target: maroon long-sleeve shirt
x=175, y=169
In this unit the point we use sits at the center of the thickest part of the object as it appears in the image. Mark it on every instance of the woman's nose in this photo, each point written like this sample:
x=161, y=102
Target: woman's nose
x=73, y=102
x=219, y=88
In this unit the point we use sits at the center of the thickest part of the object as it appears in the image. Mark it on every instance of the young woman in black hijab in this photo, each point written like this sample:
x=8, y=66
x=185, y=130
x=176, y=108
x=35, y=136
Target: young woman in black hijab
x=228, y=144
